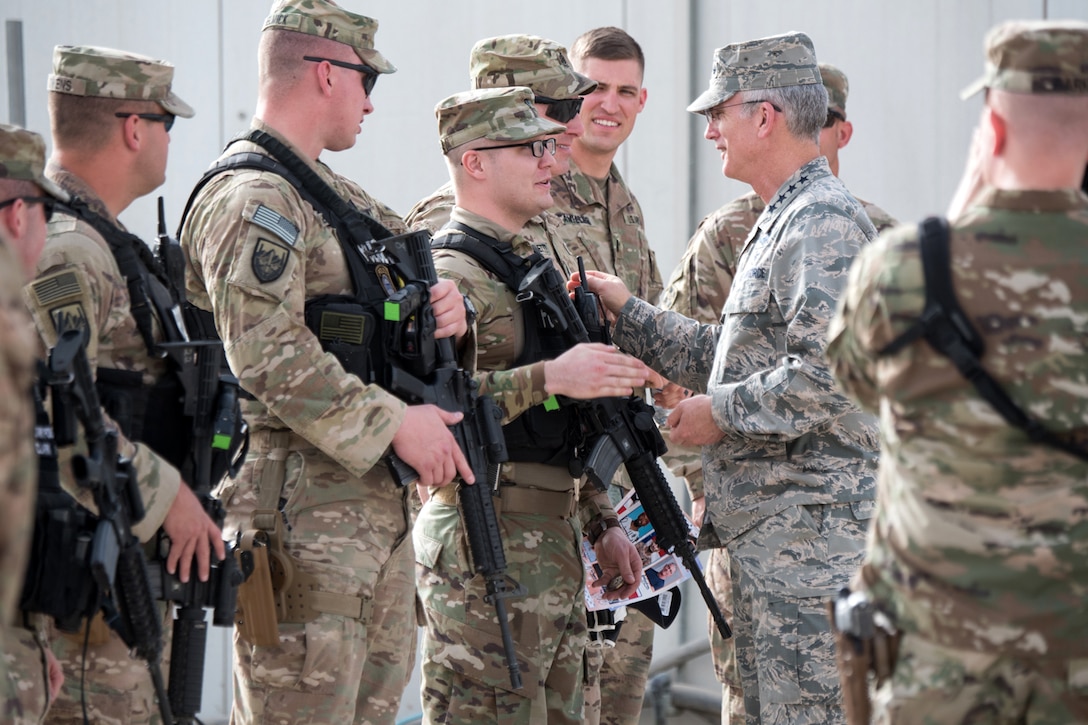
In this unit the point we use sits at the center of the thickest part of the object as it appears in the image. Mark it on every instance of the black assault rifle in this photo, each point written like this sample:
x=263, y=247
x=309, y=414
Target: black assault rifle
x=622, y=431
x=431, y=375
x=116, y=559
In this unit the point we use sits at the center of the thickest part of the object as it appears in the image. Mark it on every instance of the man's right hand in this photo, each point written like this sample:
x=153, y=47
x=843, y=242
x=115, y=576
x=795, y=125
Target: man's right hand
x=425, y=443
x=610, y=290
x=594, y=370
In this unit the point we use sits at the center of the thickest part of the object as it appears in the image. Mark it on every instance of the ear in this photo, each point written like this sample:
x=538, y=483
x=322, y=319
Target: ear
x=323, y=77
x=14, y=218
x=130, y=133
x=767, y=120
x=473, y=163
x=998, y=131
x=642, y=95
x=846, y=132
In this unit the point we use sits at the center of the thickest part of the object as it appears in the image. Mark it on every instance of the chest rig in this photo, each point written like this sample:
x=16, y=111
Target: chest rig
x=546, y=433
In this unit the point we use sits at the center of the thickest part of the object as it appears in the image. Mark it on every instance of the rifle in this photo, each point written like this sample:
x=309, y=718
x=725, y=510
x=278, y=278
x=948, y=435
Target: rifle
x=211, y=402
x=622, y=431
x=117, y=559
x=431, y=375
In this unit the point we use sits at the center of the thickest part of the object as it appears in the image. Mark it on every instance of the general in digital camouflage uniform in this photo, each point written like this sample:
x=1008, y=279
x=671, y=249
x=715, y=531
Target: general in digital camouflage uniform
x=257, y=253
x=98, y=97
x=698, y=288
x=789, y=462
x=979, y=540
x=464, y=673
x=26, y=198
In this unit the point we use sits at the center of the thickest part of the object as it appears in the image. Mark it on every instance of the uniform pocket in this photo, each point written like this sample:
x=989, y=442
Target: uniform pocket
x=801, y=668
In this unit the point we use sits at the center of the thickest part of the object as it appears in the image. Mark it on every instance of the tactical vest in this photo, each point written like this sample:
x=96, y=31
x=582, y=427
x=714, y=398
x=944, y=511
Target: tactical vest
x=538, y=435
x=350, y=327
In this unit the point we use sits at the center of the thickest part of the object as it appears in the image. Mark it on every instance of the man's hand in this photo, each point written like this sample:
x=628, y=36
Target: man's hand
x=593, y=370
x=449, y=310
x=617, y=555
x=192, y=533
x=691, y=423
x=611, y=290
x=425, y=443
x=670, y=395
x=698, y=510
x=55, y=673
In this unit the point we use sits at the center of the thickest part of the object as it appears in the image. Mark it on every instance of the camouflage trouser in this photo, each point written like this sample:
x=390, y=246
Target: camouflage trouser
x=935, y=684
x=117, y=686
x=616, y=676
x=24, y=692
x=724, y=651
x=465, y=679
x=352, y=534
x=784, y=570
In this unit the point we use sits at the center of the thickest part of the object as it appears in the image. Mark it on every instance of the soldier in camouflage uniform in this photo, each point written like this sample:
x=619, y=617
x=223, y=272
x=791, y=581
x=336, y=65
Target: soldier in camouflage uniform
x=110, y=113
x=257, y=252
x=30, y=676
x=499, y=153
x=697, y=289
x=789, y=462
x=979, y=539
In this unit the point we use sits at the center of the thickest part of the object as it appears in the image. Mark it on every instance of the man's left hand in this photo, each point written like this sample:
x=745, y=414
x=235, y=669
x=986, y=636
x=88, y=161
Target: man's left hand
x=616, y=555
x=691, y=423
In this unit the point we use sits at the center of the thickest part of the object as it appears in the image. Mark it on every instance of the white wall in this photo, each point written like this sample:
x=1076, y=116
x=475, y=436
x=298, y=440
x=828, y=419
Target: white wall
x=906, y=62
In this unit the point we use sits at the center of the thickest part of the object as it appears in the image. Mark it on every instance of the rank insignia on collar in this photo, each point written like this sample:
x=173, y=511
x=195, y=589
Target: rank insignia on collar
x=269, y=260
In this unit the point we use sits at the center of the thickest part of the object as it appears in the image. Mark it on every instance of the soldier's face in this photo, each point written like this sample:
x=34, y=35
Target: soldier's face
x=352, y=106
x=153, y=155
x=726, y=129
x=563, y=141
x=609, y=112
x=521, y=182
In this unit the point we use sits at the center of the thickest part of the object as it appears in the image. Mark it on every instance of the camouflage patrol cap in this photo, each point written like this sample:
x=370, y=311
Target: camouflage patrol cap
x=326, y=19
x=837, y=87
x=22, y=158
x=498, y=114
x=86, y=70
x=526, y=60
x=1038, y=56
x=774, y=62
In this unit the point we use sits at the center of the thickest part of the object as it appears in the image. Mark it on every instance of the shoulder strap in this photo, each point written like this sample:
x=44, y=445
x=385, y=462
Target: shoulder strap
x=945, y=326
x=497, y=257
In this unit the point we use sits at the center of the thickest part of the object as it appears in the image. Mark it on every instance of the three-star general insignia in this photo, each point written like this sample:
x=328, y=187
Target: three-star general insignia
x=269, y=260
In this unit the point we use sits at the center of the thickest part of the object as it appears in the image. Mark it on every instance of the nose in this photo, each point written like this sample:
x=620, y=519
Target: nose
x=575, y=127
x=368, y=105
x=547, y=160
x=711, y=131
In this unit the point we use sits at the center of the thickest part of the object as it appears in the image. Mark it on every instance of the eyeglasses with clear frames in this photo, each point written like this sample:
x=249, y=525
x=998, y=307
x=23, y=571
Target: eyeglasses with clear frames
x=713, y=115
x=537, y=146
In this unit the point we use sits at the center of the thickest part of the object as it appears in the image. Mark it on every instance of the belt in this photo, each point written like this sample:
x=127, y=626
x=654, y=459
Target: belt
x=519, y=500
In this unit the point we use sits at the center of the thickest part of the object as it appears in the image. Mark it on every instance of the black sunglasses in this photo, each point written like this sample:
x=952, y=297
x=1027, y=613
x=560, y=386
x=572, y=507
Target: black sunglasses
x=833, y=116
x=561, y=110
x=370, y=76
x=537, y=146
x=166, y=119
x=47, y=203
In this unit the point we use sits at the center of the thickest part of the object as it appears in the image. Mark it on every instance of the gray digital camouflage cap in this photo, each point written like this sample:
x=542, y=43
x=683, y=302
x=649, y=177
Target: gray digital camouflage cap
x=774, y=62
x=1037, y=56
x=838, y=88
x=86, y=70
x=526, y=60
x=326, y=19
x=22, y=158
x=498, y=114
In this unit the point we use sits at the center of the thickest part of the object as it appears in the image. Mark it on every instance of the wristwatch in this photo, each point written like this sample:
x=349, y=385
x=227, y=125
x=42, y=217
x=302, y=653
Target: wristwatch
x=599, y=525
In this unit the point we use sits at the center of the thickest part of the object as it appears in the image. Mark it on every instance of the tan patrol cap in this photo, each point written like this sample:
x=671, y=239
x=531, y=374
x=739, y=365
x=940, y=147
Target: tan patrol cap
x=837, y=88
x=22, y=158
x=773, y=62
x=87, y=70
x=1035, y=56
x=498, y=114
x=326, y=19
x=526, y=60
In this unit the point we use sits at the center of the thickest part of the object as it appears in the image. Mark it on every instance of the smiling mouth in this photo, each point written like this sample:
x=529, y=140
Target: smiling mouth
x=606, y=123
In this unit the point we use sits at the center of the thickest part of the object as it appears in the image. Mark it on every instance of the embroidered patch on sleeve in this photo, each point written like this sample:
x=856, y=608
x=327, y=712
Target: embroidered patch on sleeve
x=61, y=295
x=269, y=260
x=276, y=223
x=68, y=317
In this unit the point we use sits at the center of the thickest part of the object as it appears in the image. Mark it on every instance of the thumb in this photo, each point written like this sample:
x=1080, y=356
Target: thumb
x=449, y=417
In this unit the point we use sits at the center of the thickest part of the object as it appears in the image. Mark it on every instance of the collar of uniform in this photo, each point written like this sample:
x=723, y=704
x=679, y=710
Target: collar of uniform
x=790, y=189
x=483, y=225
x=77, y=187
x=1055, y=201
x=581, y=189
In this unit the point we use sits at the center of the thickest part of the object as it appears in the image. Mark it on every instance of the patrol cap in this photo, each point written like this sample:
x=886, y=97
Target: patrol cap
x=87, y=70
x=837, y=87
x=498, y=114
x=526, y=60
x=326, y=19
x=22, y=158
x=773, y=62
x=1035, y=56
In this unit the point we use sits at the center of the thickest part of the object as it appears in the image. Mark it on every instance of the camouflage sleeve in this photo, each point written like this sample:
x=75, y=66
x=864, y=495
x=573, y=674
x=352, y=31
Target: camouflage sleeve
x=77, y=282
x=431, y=212
x=678, y=347
x=881, y=219
x=863, y=322
x=812, y=258
x=702, y=279
x=260, y=315
x=514, y=389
